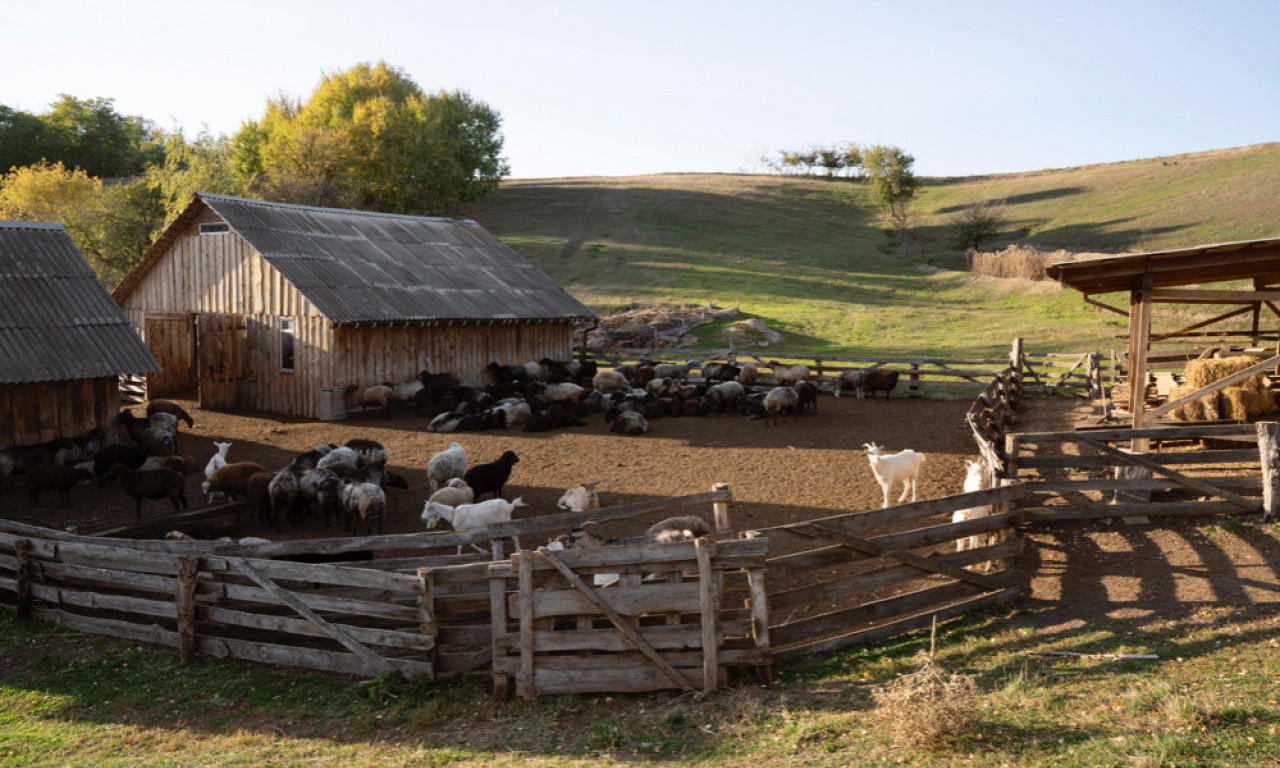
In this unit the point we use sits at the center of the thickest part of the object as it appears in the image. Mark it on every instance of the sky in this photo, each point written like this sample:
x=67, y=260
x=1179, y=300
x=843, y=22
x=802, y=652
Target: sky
x=622, y=88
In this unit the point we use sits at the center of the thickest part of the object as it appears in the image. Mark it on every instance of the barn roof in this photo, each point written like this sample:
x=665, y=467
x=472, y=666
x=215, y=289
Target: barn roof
x=1184, y=266
x=57, y=321
x=364, y=267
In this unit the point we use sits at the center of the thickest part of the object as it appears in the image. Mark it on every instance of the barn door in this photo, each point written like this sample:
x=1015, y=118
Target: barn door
x=171, y=338
x=219, y=352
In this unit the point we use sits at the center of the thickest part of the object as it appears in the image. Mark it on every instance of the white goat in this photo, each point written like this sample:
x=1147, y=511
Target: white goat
x=470, y=517
x=890, y=469
x=580, y=498
x=219, y=459
x=446, y=465
x=975, y=480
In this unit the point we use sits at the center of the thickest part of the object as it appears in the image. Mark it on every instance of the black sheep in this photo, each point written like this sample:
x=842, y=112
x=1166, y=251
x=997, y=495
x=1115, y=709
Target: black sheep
x=132, y=456
x=490, y=478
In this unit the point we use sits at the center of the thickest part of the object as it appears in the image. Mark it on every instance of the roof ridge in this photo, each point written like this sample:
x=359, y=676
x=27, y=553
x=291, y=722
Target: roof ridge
x=346, y=211
x=45, y=225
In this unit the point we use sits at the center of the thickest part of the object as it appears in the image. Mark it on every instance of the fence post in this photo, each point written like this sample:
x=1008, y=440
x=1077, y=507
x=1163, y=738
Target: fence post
x=721, y=509
x=22, y=588
x=1015, y=360
x=1269, y=453
x=185, y=603
x=1095, y=376
x=817, y=368
x=914, y=389
x=427, y=612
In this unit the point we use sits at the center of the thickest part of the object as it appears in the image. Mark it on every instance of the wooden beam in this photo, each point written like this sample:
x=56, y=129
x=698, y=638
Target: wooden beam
x=1269, y=453
x=1139, y=341
x=1198, y=296
x=1222, y=383
x=1203, y=323
x=1090, y=300
x=925, y=564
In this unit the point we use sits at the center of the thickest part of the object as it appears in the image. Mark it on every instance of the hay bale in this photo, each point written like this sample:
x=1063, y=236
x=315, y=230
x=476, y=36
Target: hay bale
x=1247, y=399
x=1235, y=405
x=1202, y=409
x=1202, y=373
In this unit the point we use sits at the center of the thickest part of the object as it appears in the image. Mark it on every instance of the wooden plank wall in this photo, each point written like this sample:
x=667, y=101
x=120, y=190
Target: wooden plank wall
x=37, y=412
x=171, y=338
x=368, y=356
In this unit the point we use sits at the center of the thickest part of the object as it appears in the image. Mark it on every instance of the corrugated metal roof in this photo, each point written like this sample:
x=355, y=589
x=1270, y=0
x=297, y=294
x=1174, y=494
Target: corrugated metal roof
x=359, y=266
x=57, y=322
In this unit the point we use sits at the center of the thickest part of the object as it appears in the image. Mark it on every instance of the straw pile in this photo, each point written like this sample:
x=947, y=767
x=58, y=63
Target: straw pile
x=1247, y=399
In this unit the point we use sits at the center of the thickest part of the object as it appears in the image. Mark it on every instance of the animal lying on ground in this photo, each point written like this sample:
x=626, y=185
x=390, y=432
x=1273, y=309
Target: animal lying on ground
x=580, y=498
x=455, y=493
x=891, y=469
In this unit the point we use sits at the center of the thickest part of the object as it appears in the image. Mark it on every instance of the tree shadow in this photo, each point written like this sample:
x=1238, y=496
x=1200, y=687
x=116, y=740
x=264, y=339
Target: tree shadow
x=1025, y=197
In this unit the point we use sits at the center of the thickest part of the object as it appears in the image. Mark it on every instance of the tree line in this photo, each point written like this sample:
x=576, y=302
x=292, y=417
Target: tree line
x=888, y=170
x=368, y=138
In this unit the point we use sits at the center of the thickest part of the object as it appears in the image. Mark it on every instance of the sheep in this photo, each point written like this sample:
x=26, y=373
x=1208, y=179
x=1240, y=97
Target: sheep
x=749, y=373
x=608, y=381
x=367, y=451
x=378, y=473
x=106, y=460
x=662, y=386
x=75, y=450
x=218, y=459
x=517, y=415
x=152, y=484
x=720, y=372
x=446, y=465
x=49, y=476
x=580, y=498
x=677, y=371
x=975, y=480
x=491, y=477
x=563, y=393
x=806, y=396
x=172, y=408
x=630, y=423
x=257, y=490
x=320, y=486
x=455, y=493
x=339, y=456
x=166, y=421
x=728, y=395
x=230, y=481
x=691, y=523
x=789, y=374
x=379, y=395
x=890, y=469
x=363, y=502
x=405, y=391
x=880, y=380
x=558, y=370
x=285, y=493
x=780, y=400
x=185, y=464
x=645, y=373
x=470, y=517
x=585, y=536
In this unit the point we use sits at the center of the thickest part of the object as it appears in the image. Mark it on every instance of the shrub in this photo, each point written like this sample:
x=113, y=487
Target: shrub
x=978, y=222
x=1025, y=261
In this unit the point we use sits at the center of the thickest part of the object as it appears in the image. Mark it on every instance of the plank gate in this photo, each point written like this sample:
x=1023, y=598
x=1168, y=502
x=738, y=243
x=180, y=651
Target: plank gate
x=629, y=619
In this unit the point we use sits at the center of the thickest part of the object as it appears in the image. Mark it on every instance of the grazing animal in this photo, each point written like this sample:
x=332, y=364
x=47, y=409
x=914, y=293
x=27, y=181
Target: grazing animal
x=780, y=400
x=171, y=408
x=893, y=468
x=48, y=476
x=720, y=372
x=218, y=459
x=789, y=374
x=363, y=503
x=491, y=477
x=230, y=481
x=580, y=498
x=446, y=465
x=975, y=480
x=151, y=484
x=880, y=381
x=454, y=493
x=470, y=517
x=378, y=395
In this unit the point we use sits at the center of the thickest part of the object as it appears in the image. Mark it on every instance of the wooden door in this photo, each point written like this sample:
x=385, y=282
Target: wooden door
x=171, y=338
x=219, y=350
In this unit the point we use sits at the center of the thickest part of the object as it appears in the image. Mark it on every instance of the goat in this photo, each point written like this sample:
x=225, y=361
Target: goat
x=890, y=469
x=470, y=517
x=172, y=408
x=491, y=477
x=446, y=465
x=151, y=484
x=789, y=374
x=48, y=476
x=218, y=459
x=975, y=480
x=580, y=498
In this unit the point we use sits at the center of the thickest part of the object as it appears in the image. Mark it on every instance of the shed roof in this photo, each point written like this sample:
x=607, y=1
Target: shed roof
x=364, y=267
x=1184, y=266
x=57, y=321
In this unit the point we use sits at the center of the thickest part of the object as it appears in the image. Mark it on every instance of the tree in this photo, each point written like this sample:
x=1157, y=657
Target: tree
x=121, y=225
x=893, y=184
x=79, y=133
x=203, y=164
x=978, y=222
x=371, y=138
x=47, y=192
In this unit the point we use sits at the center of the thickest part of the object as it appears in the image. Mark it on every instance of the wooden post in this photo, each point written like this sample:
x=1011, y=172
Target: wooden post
x=22, y=589
x=498, y=628
x=721, y=510
x=707, y=601
x=1095, y=376
x=914, y=389
x=1139, y=340
x=1015, y=360
x=185, y=603
x=1012, y=445
x=1269, y=453
x=427, y=612
x=526, y=686
x=817, y=370
x=760, y=619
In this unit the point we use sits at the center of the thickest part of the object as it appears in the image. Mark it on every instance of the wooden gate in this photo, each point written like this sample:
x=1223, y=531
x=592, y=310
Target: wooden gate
x=661, y=624
x=219, y=343
x=171, y=338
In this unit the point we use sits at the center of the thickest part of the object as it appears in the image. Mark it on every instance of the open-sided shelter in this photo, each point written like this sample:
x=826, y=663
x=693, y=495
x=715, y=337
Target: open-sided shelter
x=274, y=307
x=1178, y=277
x=63, y=342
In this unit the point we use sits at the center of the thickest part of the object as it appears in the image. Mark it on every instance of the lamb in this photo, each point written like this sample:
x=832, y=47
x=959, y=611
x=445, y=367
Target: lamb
x=789, y=374
x=630, y=423
x=608, y=381
x=975, y=480
x=780, y=400
x=455, y=493
x=172, y=408
x=580, y=498
x=231, y=480
x=677, y=371
x=218, y=459
x=367, y=451
x=106, y=460
x=855, y=380
x=363, y=502
x=890, y=469
x=379, y=395
x=491, y=477
x=880, y=380
x=152, y=484
x=49, y=476
x=446, y=465
x=470, y=517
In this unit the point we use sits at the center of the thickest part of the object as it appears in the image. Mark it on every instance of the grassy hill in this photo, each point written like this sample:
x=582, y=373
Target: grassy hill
x=815, y=259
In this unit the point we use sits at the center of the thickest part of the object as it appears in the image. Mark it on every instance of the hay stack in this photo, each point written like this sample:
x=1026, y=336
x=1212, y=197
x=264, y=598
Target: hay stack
x=1248, y=399
x=1204, y=409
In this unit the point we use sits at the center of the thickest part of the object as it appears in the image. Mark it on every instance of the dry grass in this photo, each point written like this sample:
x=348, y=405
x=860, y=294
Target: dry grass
x=927, y=708
x=1248, y=399
x=1025, y=261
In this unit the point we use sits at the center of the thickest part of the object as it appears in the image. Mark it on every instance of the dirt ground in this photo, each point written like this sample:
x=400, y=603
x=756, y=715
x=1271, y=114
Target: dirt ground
x=802, y=469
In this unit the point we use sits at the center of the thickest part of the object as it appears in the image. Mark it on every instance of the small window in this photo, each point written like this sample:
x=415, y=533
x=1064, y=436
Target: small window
x=215, y=228
x=286, y=344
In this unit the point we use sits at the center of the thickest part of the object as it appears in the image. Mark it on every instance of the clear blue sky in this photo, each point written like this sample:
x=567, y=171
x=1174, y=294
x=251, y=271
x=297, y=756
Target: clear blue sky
x=619, y=88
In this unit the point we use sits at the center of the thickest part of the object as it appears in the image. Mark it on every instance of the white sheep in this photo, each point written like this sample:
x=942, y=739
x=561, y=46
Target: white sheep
x=890, y=469
x=363, y=502
x=337, y=457
x=446, y=465
x=219, y=459
x=470, y=517
x=608, y=381
x=855, y=380
x=975, y=480
x=454, y=493
x=580, y=498
x=563, y=393
x=789, y=374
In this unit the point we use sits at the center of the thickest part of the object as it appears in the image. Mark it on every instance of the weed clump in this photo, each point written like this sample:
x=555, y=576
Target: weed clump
x=928, y=707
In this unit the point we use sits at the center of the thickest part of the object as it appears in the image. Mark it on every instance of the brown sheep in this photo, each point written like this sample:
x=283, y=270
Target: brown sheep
x=48, y=476
x=231, y=480
x=152, y=484
x=258, y=496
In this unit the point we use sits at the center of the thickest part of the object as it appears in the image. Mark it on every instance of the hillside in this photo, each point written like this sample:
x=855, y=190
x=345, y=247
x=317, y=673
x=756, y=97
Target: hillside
x=812, y=258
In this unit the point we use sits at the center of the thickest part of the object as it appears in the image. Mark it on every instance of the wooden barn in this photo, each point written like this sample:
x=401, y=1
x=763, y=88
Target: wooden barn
x=63, y=342
x=276, y=307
